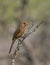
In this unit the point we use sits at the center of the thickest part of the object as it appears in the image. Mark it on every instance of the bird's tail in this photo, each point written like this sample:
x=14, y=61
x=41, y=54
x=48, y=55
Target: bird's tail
x=11, y=45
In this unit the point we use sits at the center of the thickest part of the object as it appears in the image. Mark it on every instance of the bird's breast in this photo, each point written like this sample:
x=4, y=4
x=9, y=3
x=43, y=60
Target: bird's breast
x=21, y=32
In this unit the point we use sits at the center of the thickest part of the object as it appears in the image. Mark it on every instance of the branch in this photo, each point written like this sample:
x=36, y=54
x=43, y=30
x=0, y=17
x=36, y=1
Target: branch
x=25, y=36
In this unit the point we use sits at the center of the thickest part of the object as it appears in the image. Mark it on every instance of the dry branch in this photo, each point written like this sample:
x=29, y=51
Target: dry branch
x=25, y=36
x=22, y=39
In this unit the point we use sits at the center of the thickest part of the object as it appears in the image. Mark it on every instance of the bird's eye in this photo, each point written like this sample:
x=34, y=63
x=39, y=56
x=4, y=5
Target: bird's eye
x=23, y=23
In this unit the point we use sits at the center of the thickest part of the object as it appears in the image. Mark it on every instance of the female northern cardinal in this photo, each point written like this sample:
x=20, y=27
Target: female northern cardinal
x=18, y=33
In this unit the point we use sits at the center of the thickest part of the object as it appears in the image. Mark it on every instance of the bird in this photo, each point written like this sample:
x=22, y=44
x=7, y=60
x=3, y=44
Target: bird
x=18, y=33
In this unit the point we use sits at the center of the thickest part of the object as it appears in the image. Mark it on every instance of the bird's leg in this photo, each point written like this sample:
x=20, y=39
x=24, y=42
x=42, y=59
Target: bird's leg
x=22, y=37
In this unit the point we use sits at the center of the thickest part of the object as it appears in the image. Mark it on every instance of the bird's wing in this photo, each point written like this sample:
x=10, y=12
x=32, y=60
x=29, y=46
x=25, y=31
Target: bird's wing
x=16, y=34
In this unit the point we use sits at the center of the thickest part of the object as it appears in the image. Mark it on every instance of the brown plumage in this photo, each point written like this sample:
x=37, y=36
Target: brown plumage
x=18, y=33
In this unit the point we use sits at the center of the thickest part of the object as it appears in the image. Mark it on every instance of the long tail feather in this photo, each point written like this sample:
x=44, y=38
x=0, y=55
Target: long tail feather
x=11, y=46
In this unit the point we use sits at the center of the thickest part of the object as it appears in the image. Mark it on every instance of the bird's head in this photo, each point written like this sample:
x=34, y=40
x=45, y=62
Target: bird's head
x=24, y=23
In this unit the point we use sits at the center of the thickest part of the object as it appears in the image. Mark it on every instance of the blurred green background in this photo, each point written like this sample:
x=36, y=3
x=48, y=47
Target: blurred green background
x=10, y=11
x=36, y=48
